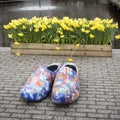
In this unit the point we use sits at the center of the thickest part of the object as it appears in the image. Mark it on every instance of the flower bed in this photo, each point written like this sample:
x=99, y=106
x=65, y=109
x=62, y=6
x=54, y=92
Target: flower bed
x=76, y=32
x=63, y=31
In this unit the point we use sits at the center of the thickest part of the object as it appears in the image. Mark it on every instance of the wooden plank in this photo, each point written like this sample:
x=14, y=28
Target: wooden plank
x=64, y=47
x=65, y=53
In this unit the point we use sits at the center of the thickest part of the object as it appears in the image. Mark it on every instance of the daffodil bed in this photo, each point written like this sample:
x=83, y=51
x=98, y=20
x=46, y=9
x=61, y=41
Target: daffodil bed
x=67, y=36
x=61, y=31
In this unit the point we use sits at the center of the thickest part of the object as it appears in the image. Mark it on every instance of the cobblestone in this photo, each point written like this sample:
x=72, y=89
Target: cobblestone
x=99, y=97
x=42, y=117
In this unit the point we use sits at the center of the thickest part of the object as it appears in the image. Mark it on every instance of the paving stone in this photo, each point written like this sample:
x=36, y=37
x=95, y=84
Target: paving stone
x=63, y=118
x=76, y=114
x=97, y=106
x=42, y=117
x=6, y=118
x=7, y=106
x=99, y=96
x=117, y=117
x=114, y=107
x=86, y=110
x=86, y=102
x=55, y=113
x=78, y=118
x=98, y=115
x=18, y=115
x=5, y=115
x=107, y=111
x=79, y=106
x=25, y=107
x=105, y=103
x=14, y=111
x=45, y=108
x=35, y=112
x=66, y=109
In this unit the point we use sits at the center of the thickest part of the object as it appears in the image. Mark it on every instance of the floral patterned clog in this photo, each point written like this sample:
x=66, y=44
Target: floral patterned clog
x=66, y=86
x=40, y=83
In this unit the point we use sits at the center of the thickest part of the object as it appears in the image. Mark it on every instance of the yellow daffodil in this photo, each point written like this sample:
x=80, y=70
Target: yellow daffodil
x=43, y=27
x=75, y=24
x=70, y=60
x=62, y=36
x=16, y=43
x=18, y=54
x=77, y=45
x=58, y=48
x=117, y=37
x=23, y=27
x=6, y=27
x=36, y=30
x=20, y=34
x=10, y=36
x=14, y=27
x=91, y=22
x=110, y=21
x=87, y=31
x=92, y=36
x=49, y=26
x=56, y=40
x=108, y=25
x=83, y=29
x=100, y=27
x=93, y=28
x=71, y=30
x=114, y=25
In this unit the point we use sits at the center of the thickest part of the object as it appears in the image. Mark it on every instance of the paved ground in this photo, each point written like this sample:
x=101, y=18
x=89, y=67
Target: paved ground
x=99, y=97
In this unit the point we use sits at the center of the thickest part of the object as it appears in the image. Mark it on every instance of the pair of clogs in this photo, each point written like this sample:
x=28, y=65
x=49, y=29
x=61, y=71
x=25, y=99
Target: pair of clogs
x=61, y=80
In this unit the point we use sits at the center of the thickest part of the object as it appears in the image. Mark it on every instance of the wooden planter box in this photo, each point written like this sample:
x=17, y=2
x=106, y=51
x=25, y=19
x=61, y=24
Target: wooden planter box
x=49, y=49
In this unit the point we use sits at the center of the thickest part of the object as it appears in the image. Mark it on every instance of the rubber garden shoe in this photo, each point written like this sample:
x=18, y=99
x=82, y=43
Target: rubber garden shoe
x=39, y=84
x=66, y=86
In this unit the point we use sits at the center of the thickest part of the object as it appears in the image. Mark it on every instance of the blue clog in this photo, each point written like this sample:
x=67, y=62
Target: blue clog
x=66, y=86
x=40, y=83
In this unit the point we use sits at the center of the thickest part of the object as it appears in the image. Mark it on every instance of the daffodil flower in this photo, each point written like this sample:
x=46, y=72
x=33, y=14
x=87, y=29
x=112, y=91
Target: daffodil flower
x=23, y=27
x=117, y=37
x=92, y=36
x=58, y=48
x=87, y=31
x=70, y=60
x=62, y=36
x=83, y=29
x=77, y=45
x=36, y=30
x=65, y=28
x=20, y=34
x=16, y=43
x=56, y=40
x=6, y=27
x=18, y=54
x=10, y=36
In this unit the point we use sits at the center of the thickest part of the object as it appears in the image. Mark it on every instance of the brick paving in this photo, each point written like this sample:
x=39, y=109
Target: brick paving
x=99, y=97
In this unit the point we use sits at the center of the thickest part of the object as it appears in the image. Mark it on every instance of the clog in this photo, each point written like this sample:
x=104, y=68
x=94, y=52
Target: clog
x=40, y=83
x=66, y=86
